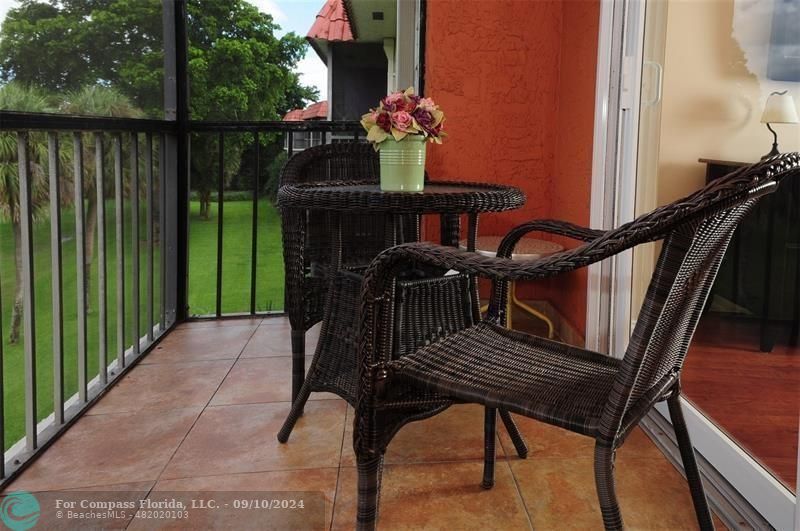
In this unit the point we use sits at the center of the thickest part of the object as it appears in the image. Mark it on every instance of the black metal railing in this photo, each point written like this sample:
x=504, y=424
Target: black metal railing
x=283, y=135
x=121, y=180
x=102, y=169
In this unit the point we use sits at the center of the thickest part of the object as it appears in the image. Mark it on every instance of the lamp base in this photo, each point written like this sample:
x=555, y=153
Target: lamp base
x=773, y=152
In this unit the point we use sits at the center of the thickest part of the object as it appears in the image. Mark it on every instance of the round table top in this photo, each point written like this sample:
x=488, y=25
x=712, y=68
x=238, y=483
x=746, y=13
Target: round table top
x=436, y=198
x=526, y=249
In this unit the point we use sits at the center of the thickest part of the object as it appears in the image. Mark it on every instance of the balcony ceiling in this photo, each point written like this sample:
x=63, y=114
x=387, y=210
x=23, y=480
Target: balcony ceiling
x=365, y=27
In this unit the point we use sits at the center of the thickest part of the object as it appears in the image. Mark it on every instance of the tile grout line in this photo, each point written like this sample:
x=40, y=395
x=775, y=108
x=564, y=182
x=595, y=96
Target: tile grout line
x=520, y=496
x=210, y=398
x=339, y=468
x=266, y=402
x=194, y=423
x=514, y=477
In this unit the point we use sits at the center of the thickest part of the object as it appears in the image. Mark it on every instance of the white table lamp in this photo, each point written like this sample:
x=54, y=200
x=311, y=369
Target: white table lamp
x=779, y=109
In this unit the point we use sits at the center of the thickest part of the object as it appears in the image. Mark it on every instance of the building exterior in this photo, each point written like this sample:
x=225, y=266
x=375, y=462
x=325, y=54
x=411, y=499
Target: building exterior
x=306, y=139
x=355, y=39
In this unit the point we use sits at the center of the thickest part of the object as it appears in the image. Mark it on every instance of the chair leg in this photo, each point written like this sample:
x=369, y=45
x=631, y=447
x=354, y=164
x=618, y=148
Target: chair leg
x=489, y=435
x=295, y=413
x=513, y=432
x=689, y=463
x=298, y=362
x=370, y=469
x=606, y=491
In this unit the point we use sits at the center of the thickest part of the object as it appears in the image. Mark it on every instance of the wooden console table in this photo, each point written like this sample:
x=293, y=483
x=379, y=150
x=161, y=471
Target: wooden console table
x=764, y=236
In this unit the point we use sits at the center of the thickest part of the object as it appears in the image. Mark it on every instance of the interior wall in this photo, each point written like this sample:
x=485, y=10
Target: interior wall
x=516, y=81
x=714, y=91
x=715, y=58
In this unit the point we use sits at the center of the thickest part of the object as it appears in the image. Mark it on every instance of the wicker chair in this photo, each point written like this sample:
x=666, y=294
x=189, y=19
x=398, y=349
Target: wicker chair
x=576, y=389
x=307, y=238
x=307, y=253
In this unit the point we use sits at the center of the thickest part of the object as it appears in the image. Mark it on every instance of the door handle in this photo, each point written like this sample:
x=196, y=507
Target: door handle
x=659, y=75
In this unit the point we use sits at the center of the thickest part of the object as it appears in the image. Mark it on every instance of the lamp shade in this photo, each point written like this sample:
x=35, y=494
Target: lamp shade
x=780, y=109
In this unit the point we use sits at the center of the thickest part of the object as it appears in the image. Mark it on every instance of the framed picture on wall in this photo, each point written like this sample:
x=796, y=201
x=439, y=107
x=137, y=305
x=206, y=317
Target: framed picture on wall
x=784, y=47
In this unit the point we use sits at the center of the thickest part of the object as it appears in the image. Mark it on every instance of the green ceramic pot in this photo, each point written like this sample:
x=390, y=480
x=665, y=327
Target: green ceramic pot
x=403, y=164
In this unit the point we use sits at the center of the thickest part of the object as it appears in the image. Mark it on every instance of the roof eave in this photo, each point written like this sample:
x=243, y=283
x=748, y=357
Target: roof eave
x=348, y=8
x=320, y=48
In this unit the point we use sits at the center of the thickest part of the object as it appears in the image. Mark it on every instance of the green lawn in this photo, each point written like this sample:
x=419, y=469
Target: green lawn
x=236, y=252
x=202, y=280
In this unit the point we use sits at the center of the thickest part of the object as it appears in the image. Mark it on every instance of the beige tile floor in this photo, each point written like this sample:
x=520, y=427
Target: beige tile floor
x=202, y=410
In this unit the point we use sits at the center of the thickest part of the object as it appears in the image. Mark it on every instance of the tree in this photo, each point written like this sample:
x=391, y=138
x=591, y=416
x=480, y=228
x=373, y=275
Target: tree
x=115, y=43
x=90, y=100
x=100, y=101
x=238, y=68
x=238, y=71
x=21, y=98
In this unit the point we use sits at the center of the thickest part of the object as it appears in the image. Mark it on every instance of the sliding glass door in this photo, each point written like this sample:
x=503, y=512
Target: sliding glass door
x=694, y=81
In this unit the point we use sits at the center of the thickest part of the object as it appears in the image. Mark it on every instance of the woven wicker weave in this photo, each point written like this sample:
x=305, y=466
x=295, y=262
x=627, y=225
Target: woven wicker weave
x=307, y=237
x=576, y=389
x=333, y=227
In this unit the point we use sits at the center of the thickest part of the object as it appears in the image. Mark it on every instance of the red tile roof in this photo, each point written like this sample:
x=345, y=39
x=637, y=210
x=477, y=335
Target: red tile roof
x=293, y=116
x=315, y=111
x=332, y=23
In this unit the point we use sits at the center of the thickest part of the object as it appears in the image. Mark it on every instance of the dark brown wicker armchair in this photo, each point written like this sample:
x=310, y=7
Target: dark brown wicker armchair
x=307, y=238
x=577, y=389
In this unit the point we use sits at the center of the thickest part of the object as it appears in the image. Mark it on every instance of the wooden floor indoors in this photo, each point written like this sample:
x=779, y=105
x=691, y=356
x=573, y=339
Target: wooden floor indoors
x=202, y=410
x=751, y=395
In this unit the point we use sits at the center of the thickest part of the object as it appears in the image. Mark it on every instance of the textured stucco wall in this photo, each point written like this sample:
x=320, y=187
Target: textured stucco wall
x=571, y=186
x=516, y=81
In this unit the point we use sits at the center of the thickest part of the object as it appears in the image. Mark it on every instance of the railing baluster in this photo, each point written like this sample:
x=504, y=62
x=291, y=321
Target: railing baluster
x=220, y=205
x=119, y=225
x=162, y=227
x=254, y=232
x=28, y=310
x=56, y=279
x=149, y=213
x=80, y=257
x=2, y=393
x=135, y=304
x=102, y=282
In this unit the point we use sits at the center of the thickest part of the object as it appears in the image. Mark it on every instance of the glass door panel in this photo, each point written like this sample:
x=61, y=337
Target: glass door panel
x=708, y=69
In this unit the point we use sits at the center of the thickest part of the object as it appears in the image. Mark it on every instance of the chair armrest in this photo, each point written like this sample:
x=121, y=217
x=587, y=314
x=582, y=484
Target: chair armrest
x=377, y=290
x=549, y=226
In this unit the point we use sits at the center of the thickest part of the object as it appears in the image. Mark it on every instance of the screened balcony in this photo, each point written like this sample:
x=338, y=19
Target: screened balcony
x=144, y=344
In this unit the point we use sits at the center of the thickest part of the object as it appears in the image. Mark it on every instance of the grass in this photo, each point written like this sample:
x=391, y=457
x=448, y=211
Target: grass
x=236, y=254
x=236, y=269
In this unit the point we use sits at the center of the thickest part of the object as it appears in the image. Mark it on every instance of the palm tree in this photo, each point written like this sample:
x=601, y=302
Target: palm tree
x=99, y=101
x=17, y=97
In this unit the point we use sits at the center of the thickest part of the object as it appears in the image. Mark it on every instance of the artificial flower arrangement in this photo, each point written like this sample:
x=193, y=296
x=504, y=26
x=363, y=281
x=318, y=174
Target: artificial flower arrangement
x=402, y=114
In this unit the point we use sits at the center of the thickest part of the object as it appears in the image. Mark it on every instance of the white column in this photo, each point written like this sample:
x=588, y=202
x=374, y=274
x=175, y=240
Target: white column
x=406, y=45
x=388, y=49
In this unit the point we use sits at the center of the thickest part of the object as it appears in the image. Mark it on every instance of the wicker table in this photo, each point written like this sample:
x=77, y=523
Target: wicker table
x=333, y=368
x=449, y=200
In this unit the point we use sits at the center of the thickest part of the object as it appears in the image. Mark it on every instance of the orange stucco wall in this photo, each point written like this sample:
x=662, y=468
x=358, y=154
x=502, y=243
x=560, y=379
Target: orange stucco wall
x=516, y=80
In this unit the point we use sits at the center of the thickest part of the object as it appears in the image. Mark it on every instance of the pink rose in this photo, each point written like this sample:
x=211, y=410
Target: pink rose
x=402, y=120
x=393, y=102
x=427, y=104
x=395, y=98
